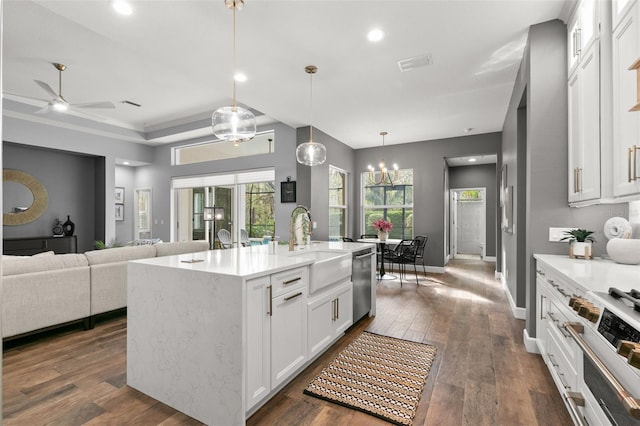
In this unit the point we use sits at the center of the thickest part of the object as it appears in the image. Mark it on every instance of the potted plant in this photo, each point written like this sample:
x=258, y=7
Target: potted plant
x=580, y=240
x=383, y=227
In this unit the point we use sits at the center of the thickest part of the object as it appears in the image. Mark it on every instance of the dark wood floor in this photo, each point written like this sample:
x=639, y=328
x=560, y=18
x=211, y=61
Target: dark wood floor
x=482, y=374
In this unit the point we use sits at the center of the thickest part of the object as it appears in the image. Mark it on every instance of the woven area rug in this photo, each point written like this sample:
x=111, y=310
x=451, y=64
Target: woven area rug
x=378, y=375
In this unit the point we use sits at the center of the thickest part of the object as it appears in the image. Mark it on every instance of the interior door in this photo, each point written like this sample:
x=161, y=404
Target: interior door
x=471, y=228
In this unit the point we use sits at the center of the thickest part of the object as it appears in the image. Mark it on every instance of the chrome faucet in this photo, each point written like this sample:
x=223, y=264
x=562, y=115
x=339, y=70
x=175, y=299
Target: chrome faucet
x=292, y=230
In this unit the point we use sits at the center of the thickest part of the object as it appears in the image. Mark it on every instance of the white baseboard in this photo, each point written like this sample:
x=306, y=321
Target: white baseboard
x=489, y=258
x=530, y=343
x=520, y=313
x=498, y=275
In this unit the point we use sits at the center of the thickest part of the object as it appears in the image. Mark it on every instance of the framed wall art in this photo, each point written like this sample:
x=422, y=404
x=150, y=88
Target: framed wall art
x=119, y=195
x=119, y=212
x=288, y=191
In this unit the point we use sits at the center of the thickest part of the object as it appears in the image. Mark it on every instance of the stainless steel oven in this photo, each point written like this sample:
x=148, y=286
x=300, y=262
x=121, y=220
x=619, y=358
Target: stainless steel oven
x=609, y=384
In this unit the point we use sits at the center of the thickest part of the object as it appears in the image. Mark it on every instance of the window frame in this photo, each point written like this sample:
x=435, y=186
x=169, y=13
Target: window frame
x=344, y=207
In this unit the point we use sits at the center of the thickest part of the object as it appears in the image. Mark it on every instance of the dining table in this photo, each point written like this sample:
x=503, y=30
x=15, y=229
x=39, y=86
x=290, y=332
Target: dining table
x=381, y=244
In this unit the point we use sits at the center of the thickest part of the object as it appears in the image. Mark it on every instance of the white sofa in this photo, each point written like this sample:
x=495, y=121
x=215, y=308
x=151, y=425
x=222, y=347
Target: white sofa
x=42, y=291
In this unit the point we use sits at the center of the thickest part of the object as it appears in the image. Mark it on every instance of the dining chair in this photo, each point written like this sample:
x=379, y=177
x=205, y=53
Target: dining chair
x=402, y=254
x=225, y=238
x=244, y=238
x=422, y=242
x=347, y=240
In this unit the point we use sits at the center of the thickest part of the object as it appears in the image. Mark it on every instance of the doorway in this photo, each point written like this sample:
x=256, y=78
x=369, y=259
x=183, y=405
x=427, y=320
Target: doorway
x=468, y=223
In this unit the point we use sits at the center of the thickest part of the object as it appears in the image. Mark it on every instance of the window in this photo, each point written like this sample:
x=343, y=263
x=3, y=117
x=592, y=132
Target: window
x=262, y=143
x=260, y=205
x=337, y=203
x=143, y=213
x=393, y=203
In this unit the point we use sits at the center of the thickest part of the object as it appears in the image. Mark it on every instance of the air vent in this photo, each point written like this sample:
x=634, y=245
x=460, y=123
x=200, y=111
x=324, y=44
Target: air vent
x=415, y=62
x=131, y=103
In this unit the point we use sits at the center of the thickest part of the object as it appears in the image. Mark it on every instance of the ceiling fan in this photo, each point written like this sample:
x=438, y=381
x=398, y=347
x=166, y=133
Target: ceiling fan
x=59, y=103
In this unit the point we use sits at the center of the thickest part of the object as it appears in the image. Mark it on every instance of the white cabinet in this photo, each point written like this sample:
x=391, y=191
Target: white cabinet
x=626, y=124
x=581, y=32
x=330, y=313
x=584, y=103
x=258, y=376
x=584, y=127
x=288, y=335
x=276, y=327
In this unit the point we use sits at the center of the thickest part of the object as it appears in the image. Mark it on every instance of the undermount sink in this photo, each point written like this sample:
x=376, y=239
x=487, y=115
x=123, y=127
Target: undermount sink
x=327, y=267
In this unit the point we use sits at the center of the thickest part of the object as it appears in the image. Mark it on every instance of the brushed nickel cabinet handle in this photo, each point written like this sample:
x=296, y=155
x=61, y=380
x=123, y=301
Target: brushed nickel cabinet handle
x=575, y=400
x=578, y=42
x=286, y=299
x=629, y=151
x=291, y=281
x=337, y=308
x=270, y=312
x=580, y=189
x=333, y=310
x=542, y=297
x=635, y=163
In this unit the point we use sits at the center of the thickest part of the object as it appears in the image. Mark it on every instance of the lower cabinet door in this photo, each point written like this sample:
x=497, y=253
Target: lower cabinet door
x=344, y=310
x=288, y=335
x=258, y=368
x=320, y=313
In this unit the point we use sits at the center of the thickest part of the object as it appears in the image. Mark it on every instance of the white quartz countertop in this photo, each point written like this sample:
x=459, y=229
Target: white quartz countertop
x=595, y=275
x=250, y=262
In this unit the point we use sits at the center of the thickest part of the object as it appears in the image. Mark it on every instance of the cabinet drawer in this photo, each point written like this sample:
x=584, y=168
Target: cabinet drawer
x=292, y=279
x=562, y=369
x=556, y=319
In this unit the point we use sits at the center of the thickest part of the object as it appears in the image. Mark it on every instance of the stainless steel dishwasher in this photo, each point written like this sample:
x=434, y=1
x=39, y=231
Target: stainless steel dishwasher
x=361, y=277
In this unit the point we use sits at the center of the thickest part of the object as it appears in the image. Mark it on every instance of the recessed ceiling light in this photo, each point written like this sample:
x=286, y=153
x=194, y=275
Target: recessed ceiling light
x=375, y=35
x=123, y=7
x=239, y=77
x=472, y=160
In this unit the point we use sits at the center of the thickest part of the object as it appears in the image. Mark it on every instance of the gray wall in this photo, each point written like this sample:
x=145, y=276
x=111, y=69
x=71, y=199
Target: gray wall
x=477, y=177
x=314, y=183
x=427, y=161
x=540, y=191
x=70, y=183
x=158, y=175
x=34, y=134
x=125, y=178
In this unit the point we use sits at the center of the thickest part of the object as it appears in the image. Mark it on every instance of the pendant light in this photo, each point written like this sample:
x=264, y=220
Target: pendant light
x=311, y=153
x=385, y=176
x=233, y=123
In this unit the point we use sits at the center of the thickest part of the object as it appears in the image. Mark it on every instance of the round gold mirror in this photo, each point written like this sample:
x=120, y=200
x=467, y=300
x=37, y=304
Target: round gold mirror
x=16, y=197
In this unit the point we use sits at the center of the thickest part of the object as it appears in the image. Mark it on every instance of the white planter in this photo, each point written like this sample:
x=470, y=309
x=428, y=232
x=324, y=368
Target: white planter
x=622, y=250
x=578, y=249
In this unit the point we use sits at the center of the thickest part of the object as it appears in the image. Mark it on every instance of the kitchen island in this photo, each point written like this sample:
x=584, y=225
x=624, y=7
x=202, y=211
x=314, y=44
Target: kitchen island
x=215, y=334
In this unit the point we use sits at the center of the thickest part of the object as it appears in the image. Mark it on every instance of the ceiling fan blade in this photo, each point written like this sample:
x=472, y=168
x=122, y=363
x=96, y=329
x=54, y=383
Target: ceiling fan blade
x=14, y=96
x=94, y=105
x=83, y=114
x=47, y=88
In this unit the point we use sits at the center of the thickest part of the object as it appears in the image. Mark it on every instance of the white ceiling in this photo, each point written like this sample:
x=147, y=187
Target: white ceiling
x=174, y=58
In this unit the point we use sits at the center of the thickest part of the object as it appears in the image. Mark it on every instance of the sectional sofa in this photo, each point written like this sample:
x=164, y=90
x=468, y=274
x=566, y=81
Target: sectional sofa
x=46, y=290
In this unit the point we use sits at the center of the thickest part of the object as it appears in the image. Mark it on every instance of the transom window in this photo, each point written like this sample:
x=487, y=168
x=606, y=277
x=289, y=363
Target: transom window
x=393, y=203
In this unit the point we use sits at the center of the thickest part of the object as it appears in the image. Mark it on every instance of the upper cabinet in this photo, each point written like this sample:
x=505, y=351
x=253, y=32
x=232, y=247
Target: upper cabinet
x=584, y=103
x=626, y=123
x=582, y=31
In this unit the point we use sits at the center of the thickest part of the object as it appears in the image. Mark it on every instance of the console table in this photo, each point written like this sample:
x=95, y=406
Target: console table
x=32, y=245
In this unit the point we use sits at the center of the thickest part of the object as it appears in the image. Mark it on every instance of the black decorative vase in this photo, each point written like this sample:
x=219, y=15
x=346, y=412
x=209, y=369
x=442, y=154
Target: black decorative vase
x=57, y=228
x=68, y=227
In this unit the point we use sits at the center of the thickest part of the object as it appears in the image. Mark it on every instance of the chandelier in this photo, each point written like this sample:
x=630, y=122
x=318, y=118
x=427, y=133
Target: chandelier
x=311, y=153
x=386, y=177
x=234, y=123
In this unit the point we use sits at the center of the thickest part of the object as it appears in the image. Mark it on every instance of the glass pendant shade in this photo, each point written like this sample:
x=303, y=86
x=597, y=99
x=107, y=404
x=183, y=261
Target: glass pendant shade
x=311, y=153
x=233, y=123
